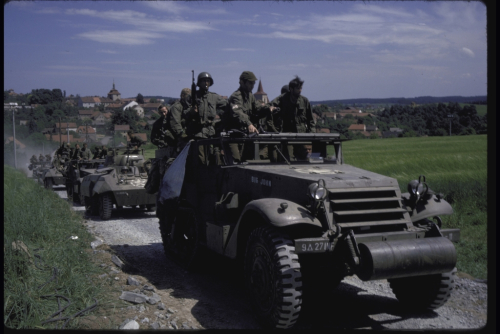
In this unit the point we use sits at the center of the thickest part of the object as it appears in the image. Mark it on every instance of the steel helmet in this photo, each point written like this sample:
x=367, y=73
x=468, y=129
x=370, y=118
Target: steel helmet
x=203, y=75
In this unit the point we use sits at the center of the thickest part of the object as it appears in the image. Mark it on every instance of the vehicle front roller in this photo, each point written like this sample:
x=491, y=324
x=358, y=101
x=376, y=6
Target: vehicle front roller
x=105, y=206
x=48, y=183
x=273, y=278
x=427, y=292
x=92, y=205
x=180, y=235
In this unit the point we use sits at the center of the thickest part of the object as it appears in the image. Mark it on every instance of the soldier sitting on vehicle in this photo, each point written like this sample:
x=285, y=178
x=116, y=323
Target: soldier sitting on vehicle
x=97, y=153
x=104, y=152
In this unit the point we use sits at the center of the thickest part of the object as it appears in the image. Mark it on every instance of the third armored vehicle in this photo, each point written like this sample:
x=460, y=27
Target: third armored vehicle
x=301, y=222
x=119, y=182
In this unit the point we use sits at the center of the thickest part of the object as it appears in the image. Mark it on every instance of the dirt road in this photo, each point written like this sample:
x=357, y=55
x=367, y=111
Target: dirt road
x=213, y=297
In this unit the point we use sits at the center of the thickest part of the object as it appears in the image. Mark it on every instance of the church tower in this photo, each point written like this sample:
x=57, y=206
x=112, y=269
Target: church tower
x=114, y=94
x=260, y=95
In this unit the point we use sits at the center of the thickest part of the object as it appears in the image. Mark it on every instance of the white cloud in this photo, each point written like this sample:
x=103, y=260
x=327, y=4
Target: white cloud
x=466, y=75
x=468, y=52
x=129, y=37
x=107, y=51
x=175, y=8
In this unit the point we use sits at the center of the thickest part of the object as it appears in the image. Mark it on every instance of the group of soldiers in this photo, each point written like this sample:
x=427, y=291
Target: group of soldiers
x=186, y=119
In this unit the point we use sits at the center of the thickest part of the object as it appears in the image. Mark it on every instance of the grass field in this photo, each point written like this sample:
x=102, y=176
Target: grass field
x=455, y=166
x=480, y=108
x=52, y=262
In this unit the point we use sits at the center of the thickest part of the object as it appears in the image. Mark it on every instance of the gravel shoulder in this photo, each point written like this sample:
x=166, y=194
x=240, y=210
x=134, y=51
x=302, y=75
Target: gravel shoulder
x=213, y=297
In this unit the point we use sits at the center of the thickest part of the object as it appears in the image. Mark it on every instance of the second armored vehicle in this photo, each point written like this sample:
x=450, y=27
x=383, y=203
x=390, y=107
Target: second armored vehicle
x=119, y=182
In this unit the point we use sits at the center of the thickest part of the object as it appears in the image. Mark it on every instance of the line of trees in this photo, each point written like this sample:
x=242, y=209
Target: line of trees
x=421, y=120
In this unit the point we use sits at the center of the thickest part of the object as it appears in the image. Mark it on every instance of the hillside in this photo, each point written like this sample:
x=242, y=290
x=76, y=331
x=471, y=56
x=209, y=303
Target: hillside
x=404, y=100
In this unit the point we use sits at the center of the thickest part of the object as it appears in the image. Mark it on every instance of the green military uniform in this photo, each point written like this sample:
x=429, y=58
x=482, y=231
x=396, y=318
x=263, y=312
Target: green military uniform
x=201, y=124
x=244, y=111
x=33, y=159
x=76, y=153
x=175, y=126
x=41, y=158
x=85, y=153
x=294, y=117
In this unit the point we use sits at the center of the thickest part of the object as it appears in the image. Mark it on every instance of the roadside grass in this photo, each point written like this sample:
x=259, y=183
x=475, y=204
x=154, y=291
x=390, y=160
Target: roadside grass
x=43, y=222
x=455, y=166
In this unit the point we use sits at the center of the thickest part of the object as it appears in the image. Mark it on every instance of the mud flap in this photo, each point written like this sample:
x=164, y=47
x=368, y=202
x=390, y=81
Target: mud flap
x=171, y=185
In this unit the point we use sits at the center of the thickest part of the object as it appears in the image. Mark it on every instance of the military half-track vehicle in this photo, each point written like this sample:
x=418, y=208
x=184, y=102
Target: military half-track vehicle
x=119, y=182
x=76, y=170
x=301, y=224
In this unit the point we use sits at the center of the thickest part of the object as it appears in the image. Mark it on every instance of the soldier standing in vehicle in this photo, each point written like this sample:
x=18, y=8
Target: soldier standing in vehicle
x=158, y=131
x=41, y=158
x=295, y=114
x=200, y=119
x=245, y=113
x=48, y=158
x=76, y=152
x=104, y=152
x=175, y=124
x=85, y=152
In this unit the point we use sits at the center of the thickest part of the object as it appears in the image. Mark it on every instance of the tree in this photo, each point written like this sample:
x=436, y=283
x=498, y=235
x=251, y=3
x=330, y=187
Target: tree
x=139, y=99
x=153, y=100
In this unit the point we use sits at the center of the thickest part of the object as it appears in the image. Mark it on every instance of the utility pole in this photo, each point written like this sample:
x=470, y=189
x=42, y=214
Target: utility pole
x=450, y=117
x=14, y=136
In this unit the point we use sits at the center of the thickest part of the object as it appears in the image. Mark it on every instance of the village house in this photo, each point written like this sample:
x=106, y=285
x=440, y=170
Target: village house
x=122, y=129
x=85, y=114
x=88, y=132
x=64, y=127
x=19, y=145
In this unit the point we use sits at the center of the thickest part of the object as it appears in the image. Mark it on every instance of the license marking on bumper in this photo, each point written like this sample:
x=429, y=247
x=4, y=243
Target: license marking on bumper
x=313, y=246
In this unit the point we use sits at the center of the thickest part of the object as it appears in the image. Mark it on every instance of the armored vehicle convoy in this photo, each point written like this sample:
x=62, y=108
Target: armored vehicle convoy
x=303, y=220
x=37, y=169
x=120, y=182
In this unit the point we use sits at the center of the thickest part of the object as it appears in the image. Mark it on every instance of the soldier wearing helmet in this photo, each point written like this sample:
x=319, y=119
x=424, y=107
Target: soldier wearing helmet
x=176, y=123
x=200, y=118
x=295, y=114
x=244, y=112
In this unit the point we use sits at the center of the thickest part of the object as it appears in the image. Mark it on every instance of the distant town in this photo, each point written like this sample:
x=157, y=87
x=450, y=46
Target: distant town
x=47, y=117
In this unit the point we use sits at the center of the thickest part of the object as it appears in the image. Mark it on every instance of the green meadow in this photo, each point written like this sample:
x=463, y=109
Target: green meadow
x=455, y=166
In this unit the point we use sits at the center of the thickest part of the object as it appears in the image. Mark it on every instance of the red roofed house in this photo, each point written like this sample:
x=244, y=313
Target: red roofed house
x=85, y=114
x=122, y=129
x=19, y=145
x=330, y=115
x=357, y=127
x=64, y=127
x=324, y=130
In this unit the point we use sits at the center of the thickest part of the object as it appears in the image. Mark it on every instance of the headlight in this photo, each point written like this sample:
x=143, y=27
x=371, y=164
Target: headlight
x=418, y=188
x=318, y=191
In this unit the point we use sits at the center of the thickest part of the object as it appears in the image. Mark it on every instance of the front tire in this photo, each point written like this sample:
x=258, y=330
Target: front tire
x=105, y=206
x=273, y=278
x=427, y=292
x=180, y=235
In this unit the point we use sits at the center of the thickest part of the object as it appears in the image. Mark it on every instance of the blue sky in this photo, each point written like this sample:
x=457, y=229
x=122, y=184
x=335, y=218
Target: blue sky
x=341, y=49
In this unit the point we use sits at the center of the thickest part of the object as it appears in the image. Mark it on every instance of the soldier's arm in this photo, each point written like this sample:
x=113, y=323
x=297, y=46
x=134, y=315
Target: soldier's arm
x=311, y=124
x=175, y=121
x=236, y=110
